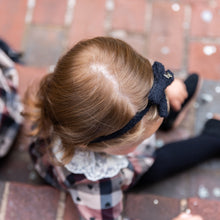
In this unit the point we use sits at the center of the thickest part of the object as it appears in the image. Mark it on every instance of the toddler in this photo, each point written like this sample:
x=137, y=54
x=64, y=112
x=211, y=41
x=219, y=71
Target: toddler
x=94, y=120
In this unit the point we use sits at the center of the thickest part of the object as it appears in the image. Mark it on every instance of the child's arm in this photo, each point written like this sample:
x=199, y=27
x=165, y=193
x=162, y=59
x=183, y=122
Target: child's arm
x=176, y=93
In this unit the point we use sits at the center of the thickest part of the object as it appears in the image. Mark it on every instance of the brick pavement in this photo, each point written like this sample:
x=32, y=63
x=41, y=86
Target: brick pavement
x=21, y=201
x=184, y=35
x=26, y=202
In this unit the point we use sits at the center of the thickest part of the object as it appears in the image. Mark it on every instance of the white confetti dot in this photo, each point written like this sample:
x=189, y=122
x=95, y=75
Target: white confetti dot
x=206, y=16
x=175, y=7
x=110, y=5
x=209, y=50
x=119, y=34
x=216, y=192
x=165, y=50
x=195, y=203
x=188, y=211
x=209, y=115
x=217, y=89
x=32, y=175
x=203, y=192
x=156, y=202
x=207, y=97
x=196, y=105
x=159, y=143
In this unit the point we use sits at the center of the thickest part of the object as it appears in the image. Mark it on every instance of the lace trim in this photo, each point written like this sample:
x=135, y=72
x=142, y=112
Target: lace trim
x=94, y=166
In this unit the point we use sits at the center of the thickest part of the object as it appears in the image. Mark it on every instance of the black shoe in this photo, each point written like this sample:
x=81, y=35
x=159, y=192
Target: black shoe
x=212, y=128
x=193, y=83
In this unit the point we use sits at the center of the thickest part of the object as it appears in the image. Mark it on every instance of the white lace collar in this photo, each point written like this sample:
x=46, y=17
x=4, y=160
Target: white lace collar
x=94, y=166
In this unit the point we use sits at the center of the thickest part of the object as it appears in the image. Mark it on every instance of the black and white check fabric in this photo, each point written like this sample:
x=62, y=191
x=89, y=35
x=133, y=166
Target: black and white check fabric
x=10, y=104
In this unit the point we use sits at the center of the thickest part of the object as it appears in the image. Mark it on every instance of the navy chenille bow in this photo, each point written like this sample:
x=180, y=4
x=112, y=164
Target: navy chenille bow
x=162, y=79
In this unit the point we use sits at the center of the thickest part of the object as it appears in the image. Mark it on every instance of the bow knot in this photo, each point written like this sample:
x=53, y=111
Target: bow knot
x=162, y=79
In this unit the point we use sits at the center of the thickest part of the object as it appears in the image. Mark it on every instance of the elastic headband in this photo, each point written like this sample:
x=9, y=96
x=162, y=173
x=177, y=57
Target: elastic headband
x=162, y=79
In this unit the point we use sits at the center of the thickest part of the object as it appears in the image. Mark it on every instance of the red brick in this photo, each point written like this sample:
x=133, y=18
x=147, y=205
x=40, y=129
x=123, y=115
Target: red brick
x=12, y=22
x=205, y=20
x=206, y=66
x=50, y=12
x=70, y=210
x=208, y=209
x=137, y=41
x=129, y=15
x=29, y=76
x=166, y=34
x=88, y=20
x=29, y=202
x=143, y=207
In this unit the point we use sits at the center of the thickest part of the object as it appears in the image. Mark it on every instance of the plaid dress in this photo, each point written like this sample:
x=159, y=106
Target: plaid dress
x=101, y=199
x=10, y=105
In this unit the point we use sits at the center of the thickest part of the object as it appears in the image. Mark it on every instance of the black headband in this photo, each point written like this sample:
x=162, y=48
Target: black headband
x=157, y=96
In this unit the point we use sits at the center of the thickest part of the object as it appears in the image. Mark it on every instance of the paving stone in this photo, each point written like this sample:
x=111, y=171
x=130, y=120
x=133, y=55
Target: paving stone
x=17, y=166
x=43, y=46
x=205, y=182
x=129, y=15
x=204, y=59
x=166, y=34
x=207, y=103
x=49, y=12
x=137, y=41
x=146, y=206
x=12, y=22
x=176, y=186
x=28, y=202
x=205, y=20
x=24, y=201
x=208, y=209
x=87, y=23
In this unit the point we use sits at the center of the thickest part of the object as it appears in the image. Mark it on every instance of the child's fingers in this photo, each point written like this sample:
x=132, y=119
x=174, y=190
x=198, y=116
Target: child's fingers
x=176, y=105
x=216, y=116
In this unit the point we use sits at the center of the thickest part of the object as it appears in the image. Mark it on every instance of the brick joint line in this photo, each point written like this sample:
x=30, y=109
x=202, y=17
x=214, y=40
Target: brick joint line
x=4, y=201
x=183, y=205
x=61, y=206
x=69, y=12
x=30, y=9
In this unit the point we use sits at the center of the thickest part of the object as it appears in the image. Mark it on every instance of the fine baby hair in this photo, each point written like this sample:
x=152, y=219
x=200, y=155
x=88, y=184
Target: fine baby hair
x=97, y=87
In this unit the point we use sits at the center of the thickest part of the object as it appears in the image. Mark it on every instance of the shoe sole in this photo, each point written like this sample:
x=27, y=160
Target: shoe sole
x=186, y=108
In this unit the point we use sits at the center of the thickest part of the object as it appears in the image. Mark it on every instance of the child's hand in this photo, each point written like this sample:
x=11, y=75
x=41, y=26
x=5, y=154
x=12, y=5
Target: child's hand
x=176, y=94
x=185, y=216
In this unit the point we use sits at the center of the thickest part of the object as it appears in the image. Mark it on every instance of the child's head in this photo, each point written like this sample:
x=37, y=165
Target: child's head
x=96, y=89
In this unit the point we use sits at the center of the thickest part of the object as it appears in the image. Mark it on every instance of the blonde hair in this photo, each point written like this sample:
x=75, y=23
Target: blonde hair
x=95, y=89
